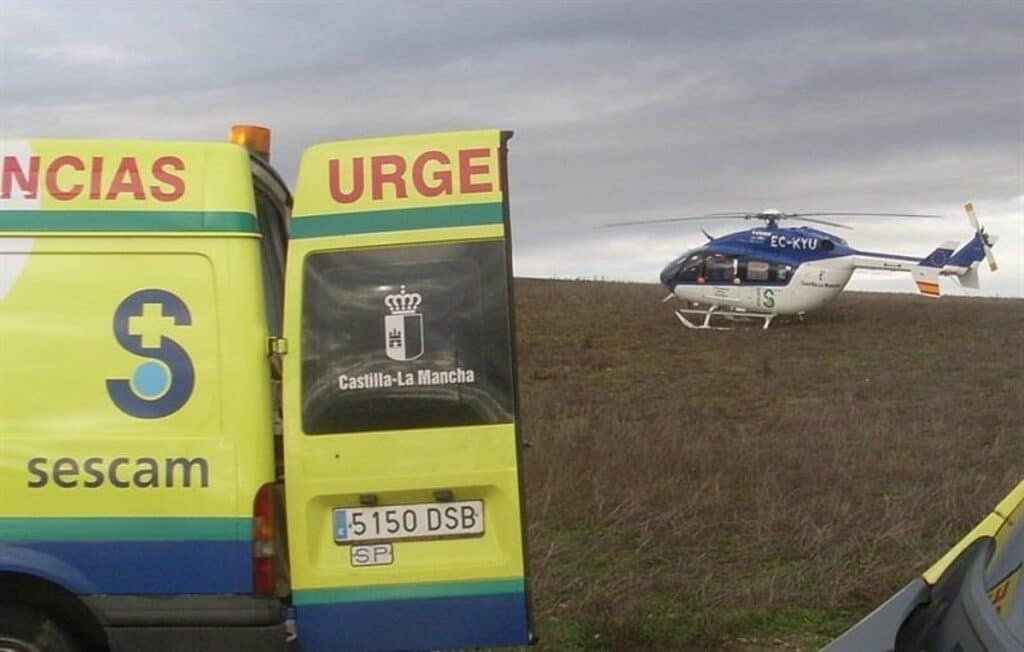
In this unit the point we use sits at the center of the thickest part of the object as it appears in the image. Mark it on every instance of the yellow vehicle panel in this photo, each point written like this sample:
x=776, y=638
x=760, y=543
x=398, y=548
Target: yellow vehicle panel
x=996, y=525
x=136, y=412
x=121, y=178
x=376, y=223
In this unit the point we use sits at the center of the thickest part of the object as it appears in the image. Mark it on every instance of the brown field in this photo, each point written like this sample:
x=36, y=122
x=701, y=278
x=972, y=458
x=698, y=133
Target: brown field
x=749, y=490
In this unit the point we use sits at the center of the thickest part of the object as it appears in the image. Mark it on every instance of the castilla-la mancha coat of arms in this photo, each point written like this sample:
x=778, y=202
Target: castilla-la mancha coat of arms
x=403, y=328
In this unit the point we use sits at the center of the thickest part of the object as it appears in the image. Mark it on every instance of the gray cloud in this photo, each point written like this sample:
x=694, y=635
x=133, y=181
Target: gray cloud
x=621, y=110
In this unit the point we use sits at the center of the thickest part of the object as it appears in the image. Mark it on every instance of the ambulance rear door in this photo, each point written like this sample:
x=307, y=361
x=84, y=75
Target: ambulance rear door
x=402, y=476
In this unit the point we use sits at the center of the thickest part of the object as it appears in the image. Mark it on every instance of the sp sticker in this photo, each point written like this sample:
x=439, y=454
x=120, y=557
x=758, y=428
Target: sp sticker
x=377, y=554
x=162, y=384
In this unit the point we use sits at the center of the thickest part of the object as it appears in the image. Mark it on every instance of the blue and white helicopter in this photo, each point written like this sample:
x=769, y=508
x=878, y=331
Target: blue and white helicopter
x=769, y=271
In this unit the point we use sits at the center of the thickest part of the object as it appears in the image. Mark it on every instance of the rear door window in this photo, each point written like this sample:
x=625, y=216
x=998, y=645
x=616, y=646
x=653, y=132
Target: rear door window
x=406, y=337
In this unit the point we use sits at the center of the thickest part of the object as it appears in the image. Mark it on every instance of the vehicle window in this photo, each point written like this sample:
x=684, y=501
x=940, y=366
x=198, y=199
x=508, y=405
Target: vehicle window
x=691, y=268
x=720, y=269
x=406, y=337
x=757, y=270
x=272, y=244
x=781, y=272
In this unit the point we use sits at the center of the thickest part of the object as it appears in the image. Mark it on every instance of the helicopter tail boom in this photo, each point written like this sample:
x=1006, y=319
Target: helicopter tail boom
x=944, y=261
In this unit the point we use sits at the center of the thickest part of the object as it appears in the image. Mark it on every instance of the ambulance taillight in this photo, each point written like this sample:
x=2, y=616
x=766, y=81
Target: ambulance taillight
x=264, y=559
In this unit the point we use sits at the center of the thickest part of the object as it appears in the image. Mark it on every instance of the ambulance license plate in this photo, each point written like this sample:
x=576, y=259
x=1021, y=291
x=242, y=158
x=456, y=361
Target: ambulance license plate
x=423, y=521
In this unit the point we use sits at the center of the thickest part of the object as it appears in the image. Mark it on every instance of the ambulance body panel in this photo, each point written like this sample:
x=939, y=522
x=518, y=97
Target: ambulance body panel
x=167, y=381
x=136, y=403
x=78, y=473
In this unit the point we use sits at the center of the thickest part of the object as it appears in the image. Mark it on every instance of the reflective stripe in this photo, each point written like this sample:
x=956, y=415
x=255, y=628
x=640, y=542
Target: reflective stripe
x=130, y=221
x=397, y=220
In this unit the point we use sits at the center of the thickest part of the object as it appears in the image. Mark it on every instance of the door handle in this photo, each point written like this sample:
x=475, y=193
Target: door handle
x=444, y=495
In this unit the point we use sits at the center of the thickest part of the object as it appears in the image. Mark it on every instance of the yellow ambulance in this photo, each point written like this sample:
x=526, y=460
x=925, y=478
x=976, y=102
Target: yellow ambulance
x=230, y=420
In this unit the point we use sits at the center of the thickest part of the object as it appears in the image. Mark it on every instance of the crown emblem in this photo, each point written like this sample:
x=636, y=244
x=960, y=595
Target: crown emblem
x=402, y=303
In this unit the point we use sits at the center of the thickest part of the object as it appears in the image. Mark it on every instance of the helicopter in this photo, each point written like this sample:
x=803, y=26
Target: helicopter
x=764, y=272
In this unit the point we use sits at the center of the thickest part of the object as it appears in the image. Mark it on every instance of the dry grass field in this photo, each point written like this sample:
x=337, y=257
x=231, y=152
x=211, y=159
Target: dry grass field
x=747, y=490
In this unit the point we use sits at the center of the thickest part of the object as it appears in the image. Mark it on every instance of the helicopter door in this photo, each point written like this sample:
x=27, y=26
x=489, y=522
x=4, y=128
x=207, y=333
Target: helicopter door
x=722, y=273
x=402, y=451
x=755, y=274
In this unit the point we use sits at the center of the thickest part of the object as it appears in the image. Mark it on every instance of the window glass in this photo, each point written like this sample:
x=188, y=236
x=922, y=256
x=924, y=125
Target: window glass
x=720, y=269
x=691, y=268
x=757, y=270
x=272, y=247
x=781, y=272
x=406, y=337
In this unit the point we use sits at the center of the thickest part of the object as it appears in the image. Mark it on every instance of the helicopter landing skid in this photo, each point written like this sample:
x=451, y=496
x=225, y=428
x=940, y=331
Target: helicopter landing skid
x=731, y=315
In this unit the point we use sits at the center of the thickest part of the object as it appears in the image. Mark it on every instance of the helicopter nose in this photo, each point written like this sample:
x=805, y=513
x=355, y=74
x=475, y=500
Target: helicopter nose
x=668, y=275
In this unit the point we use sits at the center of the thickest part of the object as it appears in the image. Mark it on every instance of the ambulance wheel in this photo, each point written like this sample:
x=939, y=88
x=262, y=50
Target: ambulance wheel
x=23, y=629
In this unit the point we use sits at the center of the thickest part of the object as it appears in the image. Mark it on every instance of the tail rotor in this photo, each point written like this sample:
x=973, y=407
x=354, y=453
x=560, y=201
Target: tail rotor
x=987, y=241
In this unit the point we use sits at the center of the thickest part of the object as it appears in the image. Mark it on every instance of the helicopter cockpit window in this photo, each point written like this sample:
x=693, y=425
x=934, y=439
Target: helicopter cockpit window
x=691, y=269
x=757, y=270
x=781, y=272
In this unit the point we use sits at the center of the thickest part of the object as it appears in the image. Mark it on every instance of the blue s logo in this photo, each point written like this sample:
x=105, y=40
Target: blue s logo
x=163, y=384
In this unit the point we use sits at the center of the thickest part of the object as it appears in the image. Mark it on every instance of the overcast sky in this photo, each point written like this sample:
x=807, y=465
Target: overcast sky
x=625, y=110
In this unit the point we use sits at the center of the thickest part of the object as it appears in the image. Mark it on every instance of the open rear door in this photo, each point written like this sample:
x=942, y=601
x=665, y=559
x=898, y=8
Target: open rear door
x=402, y=470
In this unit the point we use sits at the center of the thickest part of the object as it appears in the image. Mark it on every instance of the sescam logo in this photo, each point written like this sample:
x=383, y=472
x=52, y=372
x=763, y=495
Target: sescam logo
x=163, y=384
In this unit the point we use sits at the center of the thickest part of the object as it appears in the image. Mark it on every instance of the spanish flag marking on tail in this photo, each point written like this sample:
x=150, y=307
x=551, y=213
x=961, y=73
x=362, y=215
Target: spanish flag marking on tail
x=928, y=288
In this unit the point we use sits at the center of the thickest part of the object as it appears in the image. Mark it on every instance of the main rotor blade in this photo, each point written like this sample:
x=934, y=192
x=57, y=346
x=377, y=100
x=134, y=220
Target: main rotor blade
x=665, y=220
x=811, y=219
x=827, y=214
x=768, y=217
